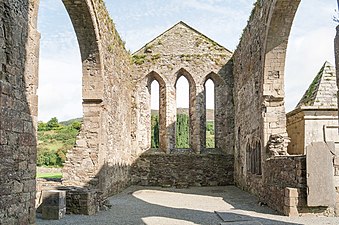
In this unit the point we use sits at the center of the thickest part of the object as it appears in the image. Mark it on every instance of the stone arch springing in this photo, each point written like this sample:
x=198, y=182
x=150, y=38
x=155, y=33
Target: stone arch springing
x=193, y=135
x=155, y=77
x=280, y=21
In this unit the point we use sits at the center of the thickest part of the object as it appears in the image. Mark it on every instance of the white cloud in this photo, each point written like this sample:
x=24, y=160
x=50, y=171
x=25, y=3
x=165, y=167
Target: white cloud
x=138, y=22
x=310, y=45
x=60, y=89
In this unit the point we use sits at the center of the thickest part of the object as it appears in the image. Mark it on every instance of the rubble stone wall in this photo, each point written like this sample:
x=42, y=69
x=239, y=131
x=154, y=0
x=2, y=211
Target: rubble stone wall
x=183, y=170
x=19, y=52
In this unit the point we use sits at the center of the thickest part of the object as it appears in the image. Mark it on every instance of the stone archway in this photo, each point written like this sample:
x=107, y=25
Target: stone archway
x=103, y=147
x=258, y=89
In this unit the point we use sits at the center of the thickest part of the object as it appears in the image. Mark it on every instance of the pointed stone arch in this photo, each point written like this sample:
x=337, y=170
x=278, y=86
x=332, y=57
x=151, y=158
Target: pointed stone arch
x=84, y=20
x=280, y=18
x=154, y=76
x=194, y=117
x=217, y=80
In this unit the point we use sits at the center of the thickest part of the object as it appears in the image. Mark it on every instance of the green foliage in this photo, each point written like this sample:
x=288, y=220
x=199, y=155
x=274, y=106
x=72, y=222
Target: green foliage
x=210, y=142
x=42, y=126
x=53, y=124
x=54, y=140
x=76, y=125
x=155, y=131
x=139, y=59
x=182, y=131
x=49, y=175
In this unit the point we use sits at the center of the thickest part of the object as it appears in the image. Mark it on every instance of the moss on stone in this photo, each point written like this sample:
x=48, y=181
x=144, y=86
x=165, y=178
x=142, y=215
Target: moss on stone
x=139, y=59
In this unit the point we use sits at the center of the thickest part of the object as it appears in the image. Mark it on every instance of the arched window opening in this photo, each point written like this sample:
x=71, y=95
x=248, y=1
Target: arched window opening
x=60, y=86
x=253, y=158
x=210, y=111
x=155, y=97
x=182, y=124
x=258, y=158
x=248, y=157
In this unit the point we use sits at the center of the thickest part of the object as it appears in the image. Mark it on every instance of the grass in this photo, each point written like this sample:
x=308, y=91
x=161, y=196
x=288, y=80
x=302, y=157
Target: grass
x=49, y=175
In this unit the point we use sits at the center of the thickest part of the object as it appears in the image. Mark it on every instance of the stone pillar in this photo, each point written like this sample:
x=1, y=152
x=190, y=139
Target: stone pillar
x=336, y=53
x=83, y=160
x=291, y=199
x=170, y=118
x=197, y=118
x=163, y=139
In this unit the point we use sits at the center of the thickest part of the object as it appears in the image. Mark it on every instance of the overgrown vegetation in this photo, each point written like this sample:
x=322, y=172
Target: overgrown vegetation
x=54, y=140
x=182, y=132
x=139, y=59
x=210, y=141
x=310, y=91
x=155, y=131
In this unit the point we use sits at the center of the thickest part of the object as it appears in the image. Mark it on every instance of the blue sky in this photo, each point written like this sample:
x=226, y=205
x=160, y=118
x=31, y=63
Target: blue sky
x=311, y=42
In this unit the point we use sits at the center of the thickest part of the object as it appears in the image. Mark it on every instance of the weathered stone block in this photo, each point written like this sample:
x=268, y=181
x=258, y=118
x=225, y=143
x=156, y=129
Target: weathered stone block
x=321, y=191
x=291, y=193
x=53, y=205
x=290, y=201
x=291, y=211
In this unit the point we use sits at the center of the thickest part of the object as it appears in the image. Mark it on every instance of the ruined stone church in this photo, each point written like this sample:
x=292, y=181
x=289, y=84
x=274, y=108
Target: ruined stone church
x=113, y=148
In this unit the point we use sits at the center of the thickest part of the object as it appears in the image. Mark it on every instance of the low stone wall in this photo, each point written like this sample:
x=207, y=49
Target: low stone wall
x=281, y=173
x=78, y=200
x=183, y=169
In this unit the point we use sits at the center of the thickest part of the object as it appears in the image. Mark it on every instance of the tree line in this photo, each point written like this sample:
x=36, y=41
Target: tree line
x=182, y=132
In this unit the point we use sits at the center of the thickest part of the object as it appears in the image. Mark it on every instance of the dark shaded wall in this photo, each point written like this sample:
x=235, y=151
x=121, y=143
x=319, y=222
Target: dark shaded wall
x=19, y=49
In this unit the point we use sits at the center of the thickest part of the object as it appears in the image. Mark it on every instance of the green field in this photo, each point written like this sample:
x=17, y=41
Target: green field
x=49, y=175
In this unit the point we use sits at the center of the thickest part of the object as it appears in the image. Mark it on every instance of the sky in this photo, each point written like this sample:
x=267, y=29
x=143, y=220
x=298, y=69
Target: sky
x=138, y=22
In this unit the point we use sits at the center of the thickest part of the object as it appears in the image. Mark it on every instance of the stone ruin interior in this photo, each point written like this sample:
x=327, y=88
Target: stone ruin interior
x=113, y=149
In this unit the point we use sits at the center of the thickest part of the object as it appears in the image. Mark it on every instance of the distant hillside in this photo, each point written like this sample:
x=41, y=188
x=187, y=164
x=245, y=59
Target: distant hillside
x=209, y=112
x=69, y=122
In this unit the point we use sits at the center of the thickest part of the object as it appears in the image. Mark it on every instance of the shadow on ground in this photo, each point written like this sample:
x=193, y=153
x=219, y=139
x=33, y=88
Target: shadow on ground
x=168, y=206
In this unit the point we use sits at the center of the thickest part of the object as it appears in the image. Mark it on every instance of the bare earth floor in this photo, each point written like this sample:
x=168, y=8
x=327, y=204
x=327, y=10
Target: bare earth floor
x=196, y=205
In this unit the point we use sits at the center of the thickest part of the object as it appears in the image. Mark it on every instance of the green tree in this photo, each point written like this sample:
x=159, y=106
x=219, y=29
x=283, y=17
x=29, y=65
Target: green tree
x=53, y=124
x=155, y=131
x=42, y=126
x=76, y=125
x=182, y=131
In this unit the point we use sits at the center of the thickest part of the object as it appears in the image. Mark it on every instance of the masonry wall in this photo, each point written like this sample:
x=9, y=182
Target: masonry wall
x=282, y=172
x=306, y=125
x=259, y=87
x=183, y=170
x=19, y=50
x=182, y=51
